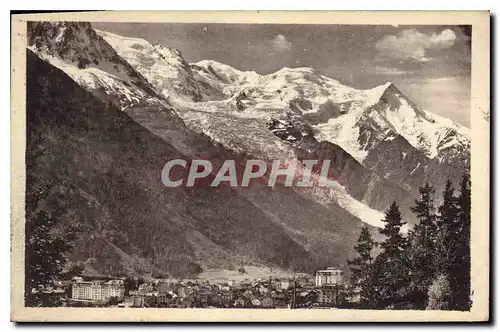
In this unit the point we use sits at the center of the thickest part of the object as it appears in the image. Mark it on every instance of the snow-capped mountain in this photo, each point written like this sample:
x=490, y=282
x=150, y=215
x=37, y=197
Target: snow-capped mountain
x=394, y=114
x=162, y=66
x=356, y=120
x=299, y=104
x=76, y=49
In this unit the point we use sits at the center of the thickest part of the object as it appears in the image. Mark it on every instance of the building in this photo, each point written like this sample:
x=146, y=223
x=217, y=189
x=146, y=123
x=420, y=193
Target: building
x=86, y=290
x=329, y=277
x=280, y=299
x=138, y=301
x=129, y=301
x=227, y=296
x=256, y=302
x=267, y=302
x=240, y=303
x=327, y=296
x=165, y=286
x=113, y=288
x=182, y=291
x=146, y=289
x=263, y=289
x=286, y=283
x=97, y=290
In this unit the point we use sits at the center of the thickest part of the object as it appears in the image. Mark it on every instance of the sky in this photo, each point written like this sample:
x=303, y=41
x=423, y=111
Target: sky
x=430, y=64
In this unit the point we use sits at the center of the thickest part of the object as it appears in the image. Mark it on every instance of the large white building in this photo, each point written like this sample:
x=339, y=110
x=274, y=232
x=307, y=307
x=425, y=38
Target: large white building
x=329, y=277
x=97, y=290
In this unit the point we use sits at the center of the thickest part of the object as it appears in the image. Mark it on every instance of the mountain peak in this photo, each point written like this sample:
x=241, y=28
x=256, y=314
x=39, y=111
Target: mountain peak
x=169, y=51
x=375, y=94
x=389, y=85
x=386, y=86
x=56, y=37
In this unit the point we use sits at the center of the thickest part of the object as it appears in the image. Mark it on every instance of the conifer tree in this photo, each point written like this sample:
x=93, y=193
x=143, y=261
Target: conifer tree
x=422, y=247
x=391, y=265
x=453, y=244
x=461, y=265
x=362, y=269
x=395, y=242
x=447, y=227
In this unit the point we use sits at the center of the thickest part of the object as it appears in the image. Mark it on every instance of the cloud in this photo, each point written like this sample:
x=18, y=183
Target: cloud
x=280, y=44
x=446, y=78
x=382, y=70
x=413, y=44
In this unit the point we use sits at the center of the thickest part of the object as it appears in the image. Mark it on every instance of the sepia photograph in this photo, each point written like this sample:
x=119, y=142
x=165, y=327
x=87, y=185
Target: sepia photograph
x=250, y=166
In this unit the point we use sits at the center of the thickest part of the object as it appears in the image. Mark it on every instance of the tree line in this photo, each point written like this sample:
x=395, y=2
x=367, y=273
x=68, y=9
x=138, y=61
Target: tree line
x=427, y=268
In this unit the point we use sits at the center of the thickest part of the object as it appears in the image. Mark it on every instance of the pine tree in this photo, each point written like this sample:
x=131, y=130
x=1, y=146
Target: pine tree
x=461, y=266
x=447, y=224
x=453, y=244
x=362, y=269
x=394, y=243
x=422, y=247
x=391, y=265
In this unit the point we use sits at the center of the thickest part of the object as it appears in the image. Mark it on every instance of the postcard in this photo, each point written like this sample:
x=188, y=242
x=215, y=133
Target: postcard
x=250, y=166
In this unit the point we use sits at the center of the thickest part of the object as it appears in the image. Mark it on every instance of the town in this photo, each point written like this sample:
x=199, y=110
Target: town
x=326, y=290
